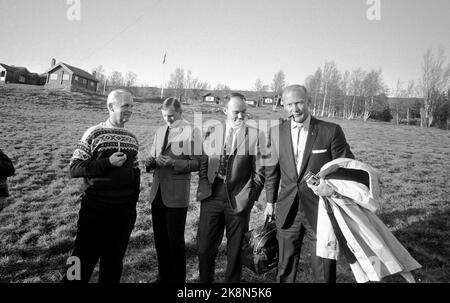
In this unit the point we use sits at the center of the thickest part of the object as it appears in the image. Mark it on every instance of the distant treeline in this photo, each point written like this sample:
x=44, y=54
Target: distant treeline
x=356, y=94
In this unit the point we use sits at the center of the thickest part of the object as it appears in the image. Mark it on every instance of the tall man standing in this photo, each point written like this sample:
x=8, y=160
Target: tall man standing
x=300, y=144
x=230, y=181
x=172, y=157
x=106, y=157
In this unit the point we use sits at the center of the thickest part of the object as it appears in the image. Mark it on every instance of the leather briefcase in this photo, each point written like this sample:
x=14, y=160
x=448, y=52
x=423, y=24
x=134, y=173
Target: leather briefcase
x=260, y=248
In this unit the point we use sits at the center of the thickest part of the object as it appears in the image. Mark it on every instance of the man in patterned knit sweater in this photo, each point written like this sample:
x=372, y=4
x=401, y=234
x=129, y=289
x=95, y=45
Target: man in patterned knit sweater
x=106, y=157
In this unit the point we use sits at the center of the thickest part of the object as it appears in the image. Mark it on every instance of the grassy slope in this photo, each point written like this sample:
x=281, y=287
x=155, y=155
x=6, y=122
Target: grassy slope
x=39, y=130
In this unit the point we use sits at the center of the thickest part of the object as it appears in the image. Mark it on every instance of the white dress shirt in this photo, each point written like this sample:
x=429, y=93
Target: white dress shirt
x=236, y=131
x=299, y=133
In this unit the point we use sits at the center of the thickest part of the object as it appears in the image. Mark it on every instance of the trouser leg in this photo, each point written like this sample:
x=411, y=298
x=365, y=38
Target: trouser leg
x=236, y=226
x=87, y=245
x=289, y=248
x=120, y=226
x=176, y=221
x=160, y=235
x=210, y=234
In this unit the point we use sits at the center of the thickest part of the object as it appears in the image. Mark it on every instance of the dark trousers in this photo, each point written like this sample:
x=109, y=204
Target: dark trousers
x=216, y=214
x=290, y=244
x=103, y=233
x=168, y=230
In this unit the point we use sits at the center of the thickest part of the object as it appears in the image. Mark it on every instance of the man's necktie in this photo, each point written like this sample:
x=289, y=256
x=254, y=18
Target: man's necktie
x=229, y=141
x=226, y=152
x=298, y=148
x=166, y=140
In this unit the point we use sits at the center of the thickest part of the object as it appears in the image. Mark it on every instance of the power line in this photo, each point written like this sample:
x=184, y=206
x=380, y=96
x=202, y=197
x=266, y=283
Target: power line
x=118, y=34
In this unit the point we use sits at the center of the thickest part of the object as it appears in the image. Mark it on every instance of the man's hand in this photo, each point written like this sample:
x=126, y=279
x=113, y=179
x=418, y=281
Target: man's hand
x=118, y=159
x=150, y=161
x=323, y=189
x=269, y=211
x=165, y=161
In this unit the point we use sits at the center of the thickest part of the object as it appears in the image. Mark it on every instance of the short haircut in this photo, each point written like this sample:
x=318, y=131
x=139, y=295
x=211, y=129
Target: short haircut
x=233, y=95
x=171, y=102
x=236, y=95
x=295, y=87
x=114, y=95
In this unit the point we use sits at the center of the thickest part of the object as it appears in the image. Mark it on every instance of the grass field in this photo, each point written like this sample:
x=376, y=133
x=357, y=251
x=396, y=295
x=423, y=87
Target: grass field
x=39, y=130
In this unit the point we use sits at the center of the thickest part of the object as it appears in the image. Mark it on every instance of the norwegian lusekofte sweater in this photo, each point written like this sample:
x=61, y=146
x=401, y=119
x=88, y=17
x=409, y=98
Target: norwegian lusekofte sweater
x=102, y=181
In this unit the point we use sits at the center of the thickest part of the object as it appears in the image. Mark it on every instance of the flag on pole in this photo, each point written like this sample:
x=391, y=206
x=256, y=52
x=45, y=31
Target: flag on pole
x=164, y=59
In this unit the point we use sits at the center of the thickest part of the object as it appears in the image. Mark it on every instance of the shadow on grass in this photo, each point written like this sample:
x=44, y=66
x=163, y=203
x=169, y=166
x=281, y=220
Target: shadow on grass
x=428, y=241
x=35, y=263
x=390, y=219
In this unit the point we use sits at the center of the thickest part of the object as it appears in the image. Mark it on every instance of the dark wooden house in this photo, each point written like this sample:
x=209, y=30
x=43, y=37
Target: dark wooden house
x=70, y=78
x=251, y=102
x=211, y=98
x=13, y=74
x=268, y=100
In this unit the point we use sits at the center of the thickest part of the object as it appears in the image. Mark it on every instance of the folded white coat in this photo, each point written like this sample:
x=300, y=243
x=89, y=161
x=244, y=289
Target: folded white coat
x=377, y=251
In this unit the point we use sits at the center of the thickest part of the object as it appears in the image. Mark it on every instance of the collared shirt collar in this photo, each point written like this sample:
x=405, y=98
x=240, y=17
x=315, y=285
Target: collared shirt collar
x=305, y=123
x=178, y=123
x=228, y=125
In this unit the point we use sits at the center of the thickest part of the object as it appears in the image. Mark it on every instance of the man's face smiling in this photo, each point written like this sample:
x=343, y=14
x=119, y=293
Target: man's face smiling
x=121, y=110
x=296, y=105
x=236, y=111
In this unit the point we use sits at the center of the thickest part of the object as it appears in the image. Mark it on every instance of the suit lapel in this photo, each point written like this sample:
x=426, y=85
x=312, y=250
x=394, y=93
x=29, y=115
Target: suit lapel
x=160, y=139
x=312, y=135
x=240, y=139
x=174, y=136
x=288, y=146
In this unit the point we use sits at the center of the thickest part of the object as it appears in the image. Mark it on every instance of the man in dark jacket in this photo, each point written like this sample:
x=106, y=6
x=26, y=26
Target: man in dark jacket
x=230, y=181
x=299, y=145
x=6, y=170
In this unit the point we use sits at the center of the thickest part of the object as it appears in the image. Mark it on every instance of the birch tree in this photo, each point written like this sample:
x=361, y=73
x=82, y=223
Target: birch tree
x=329, y=71
x=372, y=86
x=356, y=79
x=435, y=76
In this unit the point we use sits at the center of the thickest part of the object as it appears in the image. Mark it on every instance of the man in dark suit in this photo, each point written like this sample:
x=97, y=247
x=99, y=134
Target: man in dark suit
x=172, y=159
x=230, y=181
x=298, y=145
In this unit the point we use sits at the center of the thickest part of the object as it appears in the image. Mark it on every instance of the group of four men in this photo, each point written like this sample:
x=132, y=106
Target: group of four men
x=230, y=181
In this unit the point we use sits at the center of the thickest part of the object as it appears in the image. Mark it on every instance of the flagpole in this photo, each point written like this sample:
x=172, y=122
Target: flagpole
x=164, y=76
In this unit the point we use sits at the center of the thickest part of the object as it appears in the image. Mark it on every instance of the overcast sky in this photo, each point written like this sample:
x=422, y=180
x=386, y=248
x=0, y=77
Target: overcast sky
x=229, y=41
